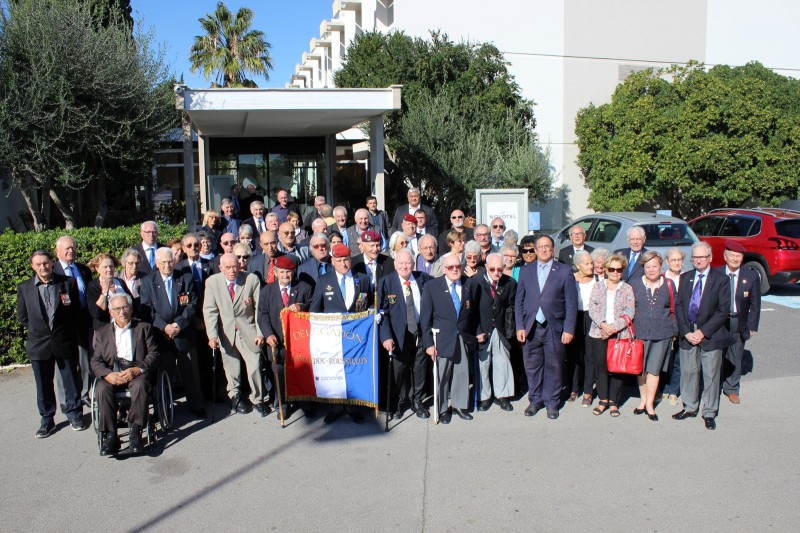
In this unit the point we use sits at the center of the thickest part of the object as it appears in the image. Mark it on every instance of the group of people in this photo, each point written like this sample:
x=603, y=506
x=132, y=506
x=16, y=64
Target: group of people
x=499, y=314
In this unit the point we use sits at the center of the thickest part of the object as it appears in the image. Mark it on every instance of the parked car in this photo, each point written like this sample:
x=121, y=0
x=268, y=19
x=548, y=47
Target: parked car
x=609, y=231
x=770, y=236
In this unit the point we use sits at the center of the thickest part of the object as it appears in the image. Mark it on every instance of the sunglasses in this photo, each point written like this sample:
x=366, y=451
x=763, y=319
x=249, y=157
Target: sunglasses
x=456, y=216
x=528, y=250
x=619, y=270
x=242, y=257
x=498, y=227
x=319, y=246
x=228, y=243
x=194, y=245
x=453, y=267
x=494, y=269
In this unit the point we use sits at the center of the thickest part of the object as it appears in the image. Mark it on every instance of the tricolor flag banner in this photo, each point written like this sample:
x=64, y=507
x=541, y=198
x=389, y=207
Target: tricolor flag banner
x=331, y=357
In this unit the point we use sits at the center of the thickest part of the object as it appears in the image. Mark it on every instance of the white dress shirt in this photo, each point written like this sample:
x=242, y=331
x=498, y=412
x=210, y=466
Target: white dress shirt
x=349, y=288
x=124, y=341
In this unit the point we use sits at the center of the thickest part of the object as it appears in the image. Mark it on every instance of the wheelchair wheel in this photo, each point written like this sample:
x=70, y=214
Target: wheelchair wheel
x=164, y=404
x=95, y=409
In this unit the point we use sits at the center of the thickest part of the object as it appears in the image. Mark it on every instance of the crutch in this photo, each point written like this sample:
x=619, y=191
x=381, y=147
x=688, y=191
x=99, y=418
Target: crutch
x=277, y=385
x=213, y=383
x=389, y=391
x=435, y=378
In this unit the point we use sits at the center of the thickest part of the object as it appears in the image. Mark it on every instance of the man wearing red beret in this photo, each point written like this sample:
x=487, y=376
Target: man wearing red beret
x=410, y=233
x=371, y=261
x=745, y=311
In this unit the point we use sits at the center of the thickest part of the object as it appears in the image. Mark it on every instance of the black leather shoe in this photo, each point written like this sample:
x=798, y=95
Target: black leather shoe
x=485, y=405
x=355, y=415
x=638, y=411
x=261, y=408
x=285, y=409
x=135, y=441
x=684, y=414
x=710, y=423
x=445, y=417
x=310, y=412
x=420, y=410
x=45, y=430
x=77, y=424
x=332, y=415
x=552, y=413
x=110, y=444
x=532, y=409
x=504, y=404
x=199, y=413
x=399, y=413
x=462, y=413
x=243, y=406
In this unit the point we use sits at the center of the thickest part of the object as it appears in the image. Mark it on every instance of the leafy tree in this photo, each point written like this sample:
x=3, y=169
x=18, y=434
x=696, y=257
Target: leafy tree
x=463, y=123
x=691, y=139
x=230, y=49
x=80, y=104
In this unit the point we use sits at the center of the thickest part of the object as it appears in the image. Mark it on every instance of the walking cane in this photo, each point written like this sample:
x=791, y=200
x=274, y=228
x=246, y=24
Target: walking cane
x=277, y=385
x=389, y=391
x=213, y=383
x=435, y=378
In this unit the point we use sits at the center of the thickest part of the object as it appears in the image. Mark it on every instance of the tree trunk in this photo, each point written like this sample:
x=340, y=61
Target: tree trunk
x=45, y=192
x=100, y=197
x=29, y=194
x=66, y=211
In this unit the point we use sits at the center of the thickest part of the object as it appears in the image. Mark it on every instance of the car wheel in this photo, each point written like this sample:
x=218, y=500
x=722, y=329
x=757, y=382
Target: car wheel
x=755, y=265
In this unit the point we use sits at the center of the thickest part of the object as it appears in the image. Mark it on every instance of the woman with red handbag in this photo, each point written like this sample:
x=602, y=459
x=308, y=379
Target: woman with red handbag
x=655, y=324
x=610, y=303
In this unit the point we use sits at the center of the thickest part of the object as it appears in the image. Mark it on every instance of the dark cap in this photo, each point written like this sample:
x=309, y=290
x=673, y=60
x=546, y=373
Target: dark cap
x=285, y=263
x=370, y=236
x=410, y=218
x=735, y=246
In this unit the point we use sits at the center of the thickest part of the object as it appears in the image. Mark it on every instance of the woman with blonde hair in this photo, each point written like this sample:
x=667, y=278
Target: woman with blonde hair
x=100, y=290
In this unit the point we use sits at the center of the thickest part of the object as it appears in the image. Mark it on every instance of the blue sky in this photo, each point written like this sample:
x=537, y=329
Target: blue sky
x=288, y=25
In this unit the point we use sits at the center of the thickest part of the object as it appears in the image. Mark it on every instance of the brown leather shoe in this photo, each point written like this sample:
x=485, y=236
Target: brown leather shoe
x=734, y=398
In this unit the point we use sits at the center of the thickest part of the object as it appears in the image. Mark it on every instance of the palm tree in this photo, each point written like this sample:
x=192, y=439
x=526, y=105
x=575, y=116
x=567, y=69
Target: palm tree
x=230, y=49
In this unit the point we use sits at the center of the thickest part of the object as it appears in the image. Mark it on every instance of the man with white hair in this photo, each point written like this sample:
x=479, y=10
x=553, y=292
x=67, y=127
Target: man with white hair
x=257, y=220
x=414, y=203
x=498, y=227
x=147, y=248
x=636, y=238
x=362, y=224
x=340, y=223
x=314, y=214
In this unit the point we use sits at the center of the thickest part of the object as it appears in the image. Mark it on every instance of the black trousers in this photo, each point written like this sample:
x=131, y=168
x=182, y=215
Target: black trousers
x=575, y=363
x=410, y=361
x=609, y=385
x=44, y=374
x=105, y=396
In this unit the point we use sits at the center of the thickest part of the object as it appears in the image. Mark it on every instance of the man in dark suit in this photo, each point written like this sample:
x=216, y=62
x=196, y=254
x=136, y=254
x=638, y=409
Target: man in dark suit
x=546, y=309
x=342, y=291
x=447, y=305
x=745, y=312
x=577, y=236
x=48, y=306
x=252, y=196
x=169, y=302
x=313, y=214
x=286, y=293
x=379, y=219
x=702, y=309
x=400, y=297
x=125, y=355
x=495, y=294
x=371, y=261
x=147, y=248
x=257, y=221
x=410, y=208
x=230, y=224
x=636, y=238
x=66, y=252
x=235, y=201
x=456, y=222
x=422, y=225
x=263, y=266
x=319, y=263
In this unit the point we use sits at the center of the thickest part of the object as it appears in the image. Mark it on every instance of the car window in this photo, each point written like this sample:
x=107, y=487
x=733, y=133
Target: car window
x=707, y=226
x=788, y=228
x=738, y=226
x=668, y=234
x=604, y=231
x=585, y=223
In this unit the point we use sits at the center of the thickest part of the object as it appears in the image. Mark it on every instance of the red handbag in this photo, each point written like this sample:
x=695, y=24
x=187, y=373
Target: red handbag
x=625, y=356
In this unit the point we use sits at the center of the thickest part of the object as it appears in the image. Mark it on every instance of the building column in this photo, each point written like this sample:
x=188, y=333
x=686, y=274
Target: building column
x=376, y=169
x=202, y=170
x=330, y=169
x=188, y=173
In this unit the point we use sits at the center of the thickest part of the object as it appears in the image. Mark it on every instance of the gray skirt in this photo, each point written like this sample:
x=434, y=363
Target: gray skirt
x=655, y=356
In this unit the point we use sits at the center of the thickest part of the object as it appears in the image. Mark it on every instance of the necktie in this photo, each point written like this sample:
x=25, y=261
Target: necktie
x=260, y=226
x=198, y=277
x=494, y=288
x=343, y=288
x=271, y=271
x=542, y=271
x=151, y=257
x=411, y=316
x=231, y=290
x=733, y=292
x=632, y=264
x=285, y=296
x=323, y=269
x=168, y=284
x=455, y=298
x=694, y=303
x=372, y=271
x=73, y=271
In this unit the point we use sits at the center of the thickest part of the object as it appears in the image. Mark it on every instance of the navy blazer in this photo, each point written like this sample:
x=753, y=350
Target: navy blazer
x=748, y=300
x=309, y=271
x=431, y=222
x=638, y=269
x=567, y=254
x=144, y=265
x=558, y=299
x=392, y=304
x=231, y=226
x=259, y=265
x=384, y=265
x=270, y=305
x=156, y=309
x=62, y=339
x=496, y=312
x=85, y=319
x=712, y=317
x=436, y=311
x=328, y=297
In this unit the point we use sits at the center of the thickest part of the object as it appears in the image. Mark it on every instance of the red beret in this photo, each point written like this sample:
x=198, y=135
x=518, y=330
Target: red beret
x=340, y=250
x=285, y=263
x=370, y=236
x=408, y=217
x=735, y=246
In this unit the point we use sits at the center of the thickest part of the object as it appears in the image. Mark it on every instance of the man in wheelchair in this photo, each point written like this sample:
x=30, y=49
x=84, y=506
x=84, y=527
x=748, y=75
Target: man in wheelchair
x=125, y=355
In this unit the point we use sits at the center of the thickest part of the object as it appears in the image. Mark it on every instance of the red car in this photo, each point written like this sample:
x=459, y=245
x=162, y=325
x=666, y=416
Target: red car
x=771, y=237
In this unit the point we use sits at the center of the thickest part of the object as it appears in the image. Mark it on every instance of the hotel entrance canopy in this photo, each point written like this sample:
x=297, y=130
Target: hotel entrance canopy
x=231, y=113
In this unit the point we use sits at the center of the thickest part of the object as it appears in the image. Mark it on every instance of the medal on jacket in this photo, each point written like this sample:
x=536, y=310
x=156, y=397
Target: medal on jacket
x=65, y=299
x=183, y=300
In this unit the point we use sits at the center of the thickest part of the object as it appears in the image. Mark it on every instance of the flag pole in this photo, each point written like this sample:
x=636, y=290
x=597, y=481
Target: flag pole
x=435, y=378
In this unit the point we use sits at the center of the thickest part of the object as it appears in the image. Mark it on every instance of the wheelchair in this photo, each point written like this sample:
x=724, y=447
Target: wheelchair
x=160, y=408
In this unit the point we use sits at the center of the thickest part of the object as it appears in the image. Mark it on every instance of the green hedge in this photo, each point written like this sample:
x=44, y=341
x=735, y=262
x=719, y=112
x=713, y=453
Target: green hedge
x=15, y=251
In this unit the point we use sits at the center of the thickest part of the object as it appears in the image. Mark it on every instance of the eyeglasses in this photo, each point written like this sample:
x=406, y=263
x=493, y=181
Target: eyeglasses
x=494, y=269
x=228, y=243
x=700, y=256
x=151, y=232
x=617, y=270
x=453, y=267
x=498, y=227
x=456, y=216
x=319, y=246
x=242, y=257
x=481, y=235
x=528, y=250
x=287, y=233
x=120, y=308
x=194, y=245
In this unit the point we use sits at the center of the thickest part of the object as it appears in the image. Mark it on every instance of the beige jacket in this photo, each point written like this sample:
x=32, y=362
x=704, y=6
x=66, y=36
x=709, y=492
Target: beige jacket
x=225, y=319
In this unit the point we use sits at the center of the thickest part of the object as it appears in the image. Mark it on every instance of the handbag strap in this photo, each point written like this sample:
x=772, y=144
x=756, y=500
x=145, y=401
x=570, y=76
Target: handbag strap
x=671, y=298
x=629, y=324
